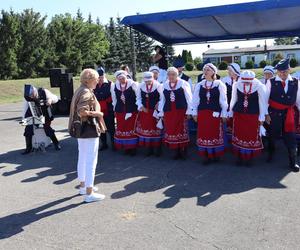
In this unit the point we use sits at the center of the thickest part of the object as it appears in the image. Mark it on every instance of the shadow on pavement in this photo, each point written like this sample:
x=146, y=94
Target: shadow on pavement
x=14, y=223
x=176, y=179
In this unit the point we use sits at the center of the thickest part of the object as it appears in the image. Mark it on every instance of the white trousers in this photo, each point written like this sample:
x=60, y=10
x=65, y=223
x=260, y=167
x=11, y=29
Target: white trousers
x=87, y=160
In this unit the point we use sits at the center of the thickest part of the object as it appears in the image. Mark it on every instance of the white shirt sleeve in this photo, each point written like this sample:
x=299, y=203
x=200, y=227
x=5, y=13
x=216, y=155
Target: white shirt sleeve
x=223, y=99
x=298, y=96
x=191, y=84
x=233, y=98
x=267, y=94
x=135, y=87
x=25, y=107
x=139, y=98
x=50, y=96
x=160, y=90
x=162, y=101
x=113, y=95
x=188, y=97
x=262, y=102
x=196, y=99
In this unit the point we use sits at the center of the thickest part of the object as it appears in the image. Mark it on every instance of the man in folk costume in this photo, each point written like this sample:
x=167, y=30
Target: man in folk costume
x=269, y=72
x=174, y=107
x=103, y=95
x=149, y=94
x=123, y=93
x=43, y=98
x=155, y=70
x=283, y=95
x=179, y=64
x=210, y=111
x=248, y=106
x=233, y=74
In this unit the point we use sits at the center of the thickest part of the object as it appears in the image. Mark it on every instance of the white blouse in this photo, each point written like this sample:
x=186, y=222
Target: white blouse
x=256, y=86
x=227, y=79
x=187, y=93
x=222, y=99
x=130, y=83
x=142, y=87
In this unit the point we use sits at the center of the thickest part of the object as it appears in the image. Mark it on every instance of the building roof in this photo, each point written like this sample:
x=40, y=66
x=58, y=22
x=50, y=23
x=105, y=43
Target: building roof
x=261, y=19
x=260, y=49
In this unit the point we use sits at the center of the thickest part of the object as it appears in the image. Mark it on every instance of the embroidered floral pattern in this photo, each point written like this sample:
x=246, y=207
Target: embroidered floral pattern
x=212, y=142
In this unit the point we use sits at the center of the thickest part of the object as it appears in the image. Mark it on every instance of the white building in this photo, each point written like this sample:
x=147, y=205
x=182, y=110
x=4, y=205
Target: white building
x=256, y=54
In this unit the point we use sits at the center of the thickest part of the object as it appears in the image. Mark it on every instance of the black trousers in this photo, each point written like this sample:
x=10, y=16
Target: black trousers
x=110, y=125
x=47, y=127
x=276, y=131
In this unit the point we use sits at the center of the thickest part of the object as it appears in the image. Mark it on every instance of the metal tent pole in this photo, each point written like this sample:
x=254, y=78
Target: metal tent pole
x=133, y=58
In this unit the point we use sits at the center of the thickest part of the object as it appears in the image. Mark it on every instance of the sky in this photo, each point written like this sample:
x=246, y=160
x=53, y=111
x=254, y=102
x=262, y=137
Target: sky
x=113, y=8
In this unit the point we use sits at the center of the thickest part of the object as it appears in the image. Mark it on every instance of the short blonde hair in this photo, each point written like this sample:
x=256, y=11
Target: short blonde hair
x=88, y=74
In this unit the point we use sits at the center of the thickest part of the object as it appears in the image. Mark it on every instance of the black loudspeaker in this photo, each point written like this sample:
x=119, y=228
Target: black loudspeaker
x=66, y=86
x=55, y=75
x=63, y=107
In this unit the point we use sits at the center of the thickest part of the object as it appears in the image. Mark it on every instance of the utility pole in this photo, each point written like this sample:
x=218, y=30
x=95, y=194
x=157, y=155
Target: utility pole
x=133, y=55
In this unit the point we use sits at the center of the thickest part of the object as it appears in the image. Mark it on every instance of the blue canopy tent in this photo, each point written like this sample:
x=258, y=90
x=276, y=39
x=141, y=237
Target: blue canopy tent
x=264, y=19
x=253, y=20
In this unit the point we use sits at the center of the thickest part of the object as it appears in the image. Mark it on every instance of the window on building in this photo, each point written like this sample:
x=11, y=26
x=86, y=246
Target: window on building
x=251, y=58
x=291, y=56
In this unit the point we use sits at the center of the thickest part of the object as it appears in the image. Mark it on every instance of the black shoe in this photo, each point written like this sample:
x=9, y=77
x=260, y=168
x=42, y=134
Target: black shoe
x=57, y=147
x=216, y=159
x=103, y=147
x=132, y=152
x=239, y=162
x=158, y=152
x=149, y=152
x=295, y=168
x=248, y=164
x=55, y=142
x=28, y=150
x=184, y=154
x=270, y=158
x=177, y=155
x=206, y=161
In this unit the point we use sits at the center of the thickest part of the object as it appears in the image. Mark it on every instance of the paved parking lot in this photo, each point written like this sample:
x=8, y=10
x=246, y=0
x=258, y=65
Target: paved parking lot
x=152, y=203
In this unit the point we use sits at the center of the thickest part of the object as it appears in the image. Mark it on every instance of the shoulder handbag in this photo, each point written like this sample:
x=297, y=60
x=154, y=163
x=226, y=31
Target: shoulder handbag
x=85, y=129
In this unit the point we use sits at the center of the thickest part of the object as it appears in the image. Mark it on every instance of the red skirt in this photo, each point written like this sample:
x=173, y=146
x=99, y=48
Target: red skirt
x=210, y=135
x=125, y=136
x=149, y=135
x=176, y=128
x=246, y=141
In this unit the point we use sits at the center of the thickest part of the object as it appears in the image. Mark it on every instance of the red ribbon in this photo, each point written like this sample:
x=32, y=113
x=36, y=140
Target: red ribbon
x=289, y=123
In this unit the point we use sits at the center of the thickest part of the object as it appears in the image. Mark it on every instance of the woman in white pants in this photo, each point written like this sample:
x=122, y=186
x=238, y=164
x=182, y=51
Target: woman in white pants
x=85, y=107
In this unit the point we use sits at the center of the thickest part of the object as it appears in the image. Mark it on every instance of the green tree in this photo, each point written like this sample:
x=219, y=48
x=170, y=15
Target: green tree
x=32, y=50
x=185, y=56
x=9, y=44
x=285, y=41
x=190, y=57
x=74, y=43
x=144, y=46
